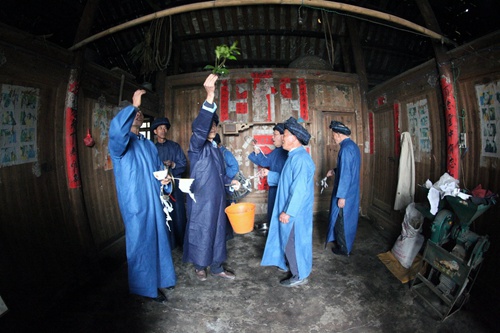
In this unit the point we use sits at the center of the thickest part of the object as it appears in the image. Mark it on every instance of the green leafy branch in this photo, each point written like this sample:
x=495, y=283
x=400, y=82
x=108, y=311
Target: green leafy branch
x=222, y=54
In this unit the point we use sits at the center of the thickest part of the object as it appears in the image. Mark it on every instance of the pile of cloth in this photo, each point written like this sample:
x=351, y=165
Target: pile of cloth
x=447, y=185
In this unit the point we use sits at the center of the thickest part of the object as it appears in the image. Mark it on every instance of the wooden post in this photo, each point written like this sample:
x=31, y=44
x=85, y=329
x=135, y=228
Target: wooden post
x=231, y=3
x=448, y=90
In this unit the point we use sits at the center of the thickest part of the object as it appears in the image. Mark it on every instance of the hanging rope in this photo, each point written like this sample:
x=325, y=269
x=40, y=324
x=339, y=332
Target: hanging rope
x=330, y=48
x=152, y=52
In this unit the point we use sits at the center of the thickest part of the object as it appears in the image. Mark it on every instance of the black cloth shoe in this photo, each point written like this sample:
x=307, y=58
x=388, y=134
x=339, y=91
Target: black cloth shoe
x=160, y=298
x=339, y=252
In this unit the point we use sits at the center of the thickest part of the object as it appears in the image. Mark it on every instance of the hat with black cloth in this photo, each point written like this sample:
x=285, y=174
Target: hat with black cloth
x=280, y=127
x=217, y=138
x=215, y=118
x=160, y=121
x=338, y=127
x=298, y=130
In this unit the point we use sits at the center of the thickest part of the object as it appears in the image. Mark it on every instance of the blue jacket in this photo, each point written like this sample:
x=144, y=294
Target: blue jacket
x=275, y=161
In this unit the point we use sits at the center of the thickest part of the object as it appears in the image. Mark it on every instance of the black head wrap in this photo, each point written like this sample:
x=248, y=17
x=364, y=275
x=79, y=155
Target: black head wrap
x=215, y=119
x=160, y=121
x=338, y=127
x=217, y=138
x=280, y=127
x=298, y=130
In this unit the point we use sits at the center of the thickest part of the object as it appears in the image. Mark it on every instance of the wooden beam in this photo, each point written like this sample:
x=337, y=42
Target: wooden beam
x=231, y=3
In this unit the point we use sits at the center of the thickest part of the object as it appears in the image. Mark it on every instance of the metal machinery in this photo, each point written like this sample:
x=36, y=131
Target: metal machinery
x=453, y=256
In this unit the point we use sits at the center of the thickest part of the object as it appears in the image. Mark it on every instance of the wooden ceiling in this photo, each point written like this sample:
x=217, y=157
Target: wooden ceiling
x=269, y=34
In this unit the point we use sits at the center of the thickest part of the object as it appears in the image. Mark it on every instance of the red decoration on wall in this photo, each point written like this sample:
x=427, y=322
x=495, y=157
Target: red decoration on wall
x=241, y=108
x=267, y=74
x=452, y=158
x=71, y=151
x=224, y=101
x=304, y=104
x=381, y=100
x=372, y=134
x=263, y=139
x=264, y=142
x=268, y=97
x=285, y=89
x=397, y=132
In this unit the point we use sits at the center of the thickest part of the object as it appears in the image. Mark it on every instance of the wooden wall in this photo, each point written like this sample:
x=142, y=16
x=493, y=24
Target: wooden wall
x=473, y=65
x=53, y=237
x=278, y=93
x=44, y=241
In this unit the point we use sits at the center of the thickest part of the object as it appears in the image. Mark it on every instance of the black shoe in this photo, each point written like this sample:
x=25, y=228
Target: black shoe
x=160, y=298
x=293, y=282
x=339, y=252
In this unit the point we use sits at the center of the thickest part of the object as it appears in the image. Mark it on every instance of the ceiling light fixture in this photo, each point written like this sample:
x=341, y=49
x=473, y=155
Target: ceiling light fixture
x=301, y=20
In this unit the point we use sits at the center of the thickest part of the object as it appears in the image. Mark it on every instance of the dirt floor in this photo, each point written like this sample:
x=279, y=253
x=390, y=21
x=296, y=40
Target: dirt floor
x=344, y=294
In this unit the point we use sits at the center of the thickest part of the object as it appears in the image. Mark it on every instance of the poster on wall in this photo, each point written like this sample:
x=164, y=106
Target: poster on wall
x=102, y=114
x=18, y=124
x=488, y=98
x=418, y=123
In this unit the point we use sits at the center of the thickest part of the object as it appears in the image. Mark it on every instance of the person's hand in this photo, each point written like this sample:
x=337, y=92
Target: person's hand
x=169, y=164
x=341, y=202
x=284, y=218
x=136, y=99
x=330, y=173
x=256, y=150
x=166, y=180
x=210, y=87
x=235, y=184
x=263, y=172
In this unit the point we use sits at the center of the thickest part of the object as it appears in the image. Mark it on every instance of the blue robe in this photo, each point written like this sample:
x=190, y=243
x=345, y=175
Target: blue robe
x=135, y=158
x=172, y=151
x=232, y=166
x=275, y=161
x=346, y=185
x=205, y=241
x=295, y=197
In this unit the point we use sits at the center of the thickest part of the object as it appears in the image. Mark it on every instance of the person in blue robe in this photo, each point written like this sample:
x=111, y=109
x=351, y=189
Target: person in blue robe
x=135, y=158
x=289, y=242
x=205, y=240
x=173, y=157
x=274, y=161
x=232, y=168
x=344, y=206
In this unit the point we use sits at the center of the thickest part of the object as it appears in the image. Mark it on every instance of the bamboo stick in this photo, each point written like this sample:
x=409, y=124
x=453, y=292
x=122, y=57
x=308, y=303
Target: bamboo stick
x=232, y=3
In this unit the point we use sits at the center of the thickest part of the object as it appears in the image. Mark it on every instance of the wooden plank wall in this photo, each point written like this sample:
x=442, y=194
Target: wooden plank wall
x=43, y=248
x=326, y=92
x=474, y=64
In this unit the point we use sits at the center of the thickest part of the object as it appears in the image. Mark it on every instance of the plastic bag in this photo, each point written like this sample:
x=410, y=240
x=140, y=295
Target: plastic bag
x=410, y=241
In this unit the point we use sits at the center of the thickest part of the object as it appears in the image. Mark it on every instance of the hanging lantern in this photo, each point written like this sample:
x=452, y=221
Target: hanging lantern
x=88, y=140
